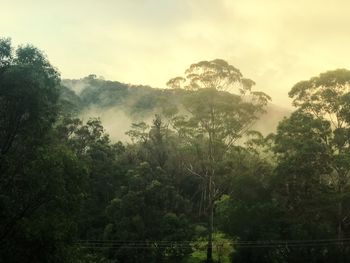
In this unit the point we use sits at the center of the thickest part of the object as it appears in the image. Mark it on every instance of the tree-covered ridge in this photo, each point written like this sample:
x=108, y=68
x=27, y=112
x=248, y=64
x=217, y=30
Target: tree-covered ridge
x=184, y=188
x=93, y=91
x=96, y=96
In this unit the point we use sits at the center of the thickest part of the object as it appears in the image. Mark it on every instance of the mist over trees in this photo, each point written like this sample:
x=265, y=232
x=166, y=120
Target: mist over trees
x=119, y=105
x=194, y=181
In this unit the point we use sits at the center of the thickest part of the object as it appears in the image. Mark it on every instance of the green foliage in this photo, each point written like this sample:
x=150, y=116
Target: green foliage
x=136, y=101
x=325, y=98
x=28, y=96
x=219, y=115
x=41, y=180
x=149, y=209
x=37, y=219
x=187, y=188
x=222, y=249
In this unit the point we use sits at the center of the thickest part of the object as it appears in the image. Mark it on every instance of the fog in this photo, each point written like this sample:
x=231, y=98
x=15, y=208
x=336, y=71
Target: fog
x=117, y=119
x=114, y=120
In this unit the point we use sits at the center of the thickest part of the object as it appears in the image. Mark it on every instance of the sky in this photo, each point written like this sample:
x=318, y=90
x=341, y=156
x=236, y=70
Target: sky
x=274, y=42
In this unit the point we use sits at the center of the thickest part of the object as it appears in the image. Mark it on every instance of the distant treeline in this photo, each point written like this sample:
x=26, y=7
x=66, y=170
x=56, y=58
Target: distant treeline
x=115, y=102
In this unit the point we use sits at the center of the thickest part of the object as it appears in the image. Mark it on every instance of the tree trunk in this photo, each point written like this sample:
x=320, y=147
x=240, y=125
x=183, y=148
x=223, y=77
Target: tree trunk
x=340, y=223
x=340, y=211
x=210, y=221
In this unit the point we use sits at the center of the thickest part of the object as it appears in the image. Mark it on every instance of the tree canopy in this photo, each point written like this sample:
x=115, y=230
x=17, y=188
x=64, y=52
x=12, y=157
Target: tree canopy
x=194, y=184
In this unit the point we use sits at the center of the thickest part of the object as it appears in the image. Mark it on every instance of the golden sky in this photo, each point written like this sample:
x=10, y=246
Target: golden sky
x=274, y=42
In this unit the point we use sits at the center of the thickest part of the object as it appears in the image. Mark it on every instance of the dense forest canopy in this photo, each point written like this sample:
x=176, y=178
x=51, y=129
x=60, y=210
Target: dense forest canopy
x=185, y=187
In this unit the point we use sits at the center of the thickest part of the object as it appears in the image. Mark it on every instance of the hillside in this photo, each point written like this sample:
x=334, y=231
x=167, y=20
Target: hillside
x=119, y=105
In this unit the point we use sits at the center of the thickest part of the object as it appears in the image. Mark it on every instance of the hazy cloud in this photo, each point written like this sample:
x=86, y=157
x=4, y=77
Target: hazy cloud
x=274, y=42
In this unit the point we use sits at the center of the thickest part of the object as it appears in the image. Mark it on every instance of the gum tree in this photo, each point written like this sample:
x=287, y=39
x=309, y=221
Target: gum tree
x=221, y=107
x=326, y=98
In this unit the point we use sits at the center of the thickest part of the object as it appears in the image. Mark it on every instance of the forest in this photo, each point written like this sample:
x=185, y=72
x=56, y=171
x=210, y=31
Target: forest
x=192, y=178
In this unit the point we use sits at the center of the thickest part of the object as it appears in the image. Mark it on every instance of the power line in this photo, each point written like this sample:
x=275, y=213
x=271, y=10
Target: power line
x=236, y=242
x=140, y=244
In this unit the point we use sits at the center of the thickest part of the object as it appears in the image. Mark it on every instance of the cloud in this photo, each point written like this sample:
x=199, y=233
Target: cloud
x=274, y=42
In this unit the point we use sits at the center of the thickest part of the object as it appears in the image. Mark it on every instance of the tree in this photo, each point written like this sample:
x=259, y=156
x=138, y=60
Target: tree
x=221, y=107
x=28, y=96
x=150, y=210
x=327, y=98
x=39, y=209
x=40, y=177
x=311, y=179
x=148, y=207
x=106, y=169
